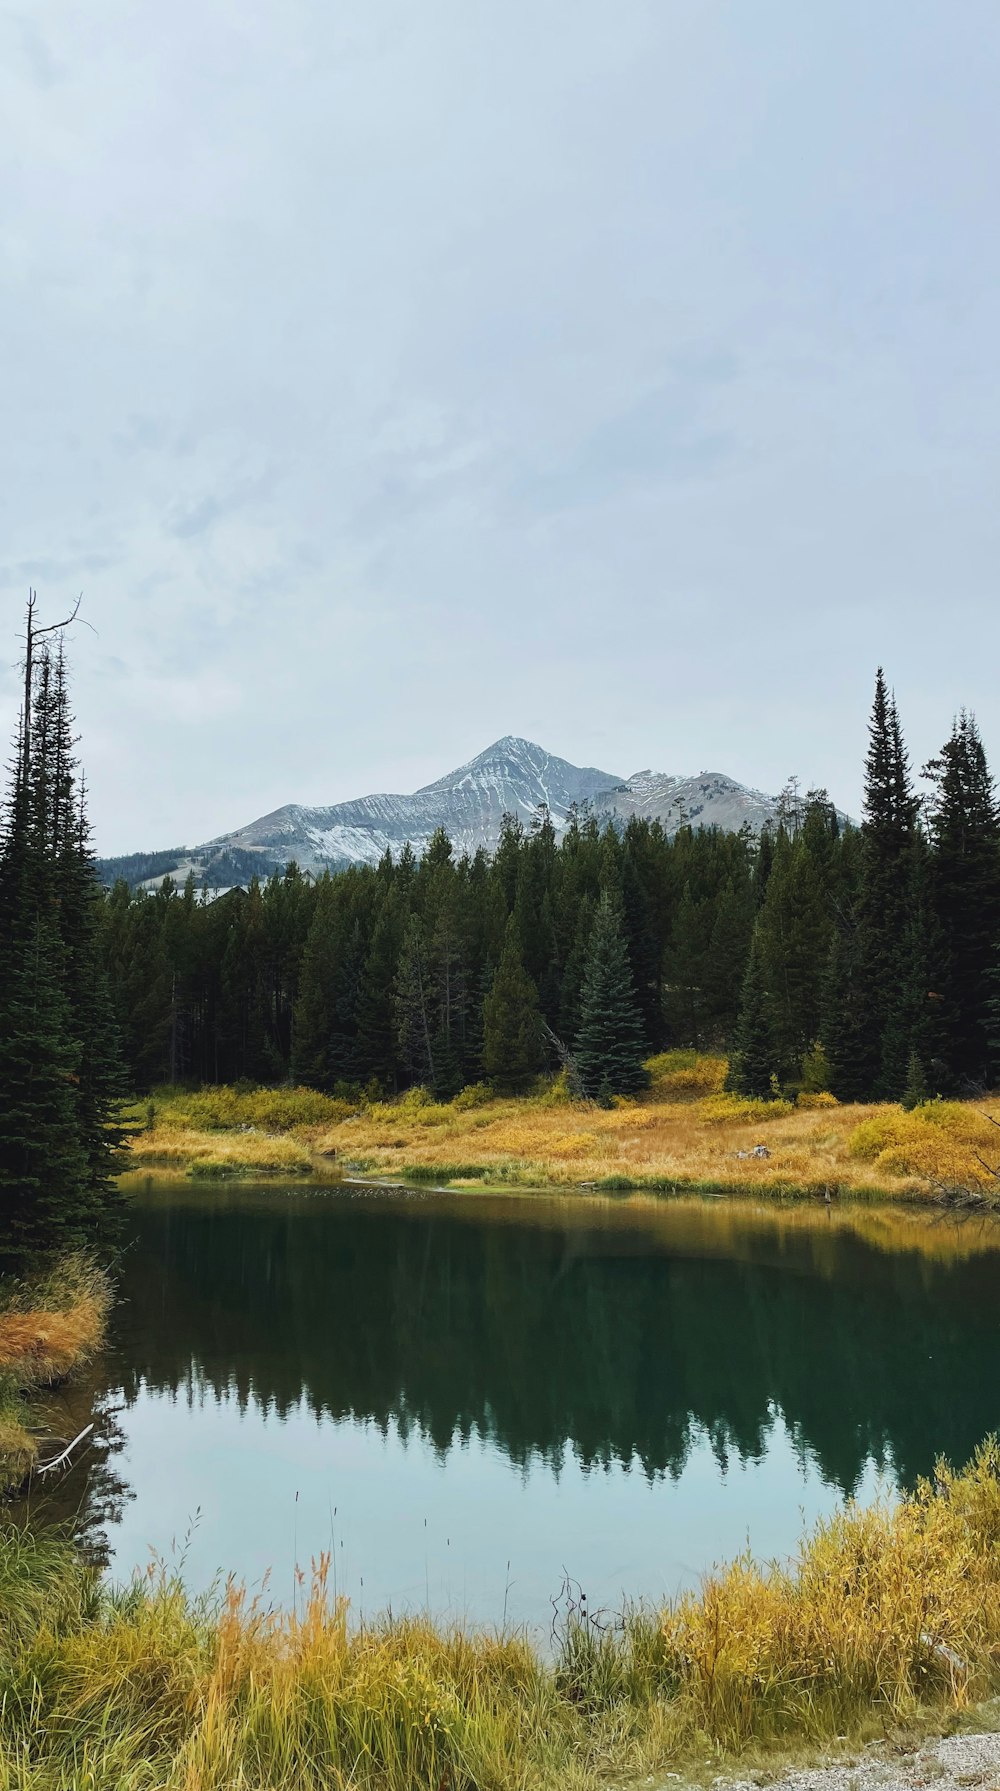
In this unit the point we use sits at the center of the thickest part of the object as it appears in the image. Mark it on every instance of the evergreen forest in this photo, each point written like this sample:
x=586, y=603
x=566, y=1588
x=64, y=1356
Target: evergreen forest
x=860, y=959
x=61, y=1074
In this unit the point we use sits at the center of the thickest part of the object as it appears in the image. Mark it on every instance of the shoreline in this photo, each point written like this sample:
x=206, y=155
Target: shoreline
x=882, y=1636
x=50, y=1326
x=668, y=1142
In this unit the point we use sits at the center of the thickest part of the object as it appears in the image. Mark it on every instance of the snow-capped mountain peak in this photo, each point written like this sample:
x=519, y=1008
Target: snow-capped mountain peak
x=513, y=776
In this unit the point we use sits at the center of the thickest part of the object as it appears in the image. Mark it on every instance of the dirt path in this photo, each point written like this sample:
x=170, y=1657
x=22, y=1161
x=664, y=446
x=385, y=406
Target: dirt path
x=958, y=1763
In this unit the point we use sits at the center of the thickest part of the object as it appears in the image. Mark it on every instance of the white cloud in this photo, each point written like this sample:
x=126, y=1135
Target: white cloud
x=392, y=378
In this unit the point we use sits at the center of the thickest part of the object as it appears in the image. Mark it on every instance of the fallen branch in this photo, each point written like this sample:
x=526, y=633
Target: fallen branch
x=58, y=1460
x=574, y=1080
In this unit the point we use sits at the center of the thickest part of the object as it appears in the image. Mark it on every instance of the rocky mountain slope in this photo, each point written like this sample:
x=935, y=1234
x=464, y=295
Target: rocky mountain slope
x=512, y=776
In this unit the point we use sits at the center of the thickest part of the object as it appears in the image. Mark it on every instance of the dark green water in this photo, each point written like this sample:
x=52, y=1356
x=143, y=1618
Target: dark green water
x=465, y=1396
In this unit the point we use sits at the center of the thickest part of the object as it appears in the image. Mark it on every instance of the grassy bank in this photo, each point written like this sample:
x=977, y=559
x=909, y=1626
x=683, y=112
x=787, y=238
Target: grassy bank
x=684, y=1133
x=49, y=1325
x=890, y=1618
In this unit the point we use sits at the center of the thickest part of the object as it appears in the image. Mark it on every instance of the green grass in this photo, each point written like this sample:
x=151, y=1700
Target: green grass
x=889, y=1622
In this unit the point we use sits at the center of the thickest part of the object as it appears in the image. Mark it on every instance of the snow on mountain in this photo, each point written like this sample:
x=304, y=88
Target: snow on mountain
x=512, y=776
x=709, y=800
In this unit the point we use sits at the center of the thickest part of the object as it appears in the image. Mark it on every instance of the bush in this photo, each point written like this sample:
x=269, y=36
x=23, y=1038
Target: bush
x=942, y=1141
x=890, y=1615
x=554, y=1092
x=226, y=1109
x=477, y=1094
x=814, y=1100
x=815, y=1070
x=733, y=1109
x=684, y=1075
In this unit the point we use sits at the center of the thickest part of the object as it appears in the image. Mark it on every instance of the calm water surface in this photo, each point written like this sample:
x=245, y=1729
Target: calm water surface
x=465, y=1397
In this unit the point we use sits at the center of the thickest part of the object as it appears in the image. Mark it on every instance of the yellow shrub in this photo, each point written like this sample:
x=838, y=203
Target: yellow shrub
x=686, y=1074
x=943, y=1141
x=226, y=1108
x=813, y=1100
x=888, y=1606
x=218, y=1153
x=477, y=1094
x=570, y=1144
x=889, y=1616
x=732, y=1109
x=413, y=1100
x=555, y=1093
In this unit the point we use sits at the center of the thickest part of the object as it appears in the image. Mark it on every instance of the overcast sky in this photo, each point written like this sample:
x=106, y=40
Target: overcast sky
x=391, y=375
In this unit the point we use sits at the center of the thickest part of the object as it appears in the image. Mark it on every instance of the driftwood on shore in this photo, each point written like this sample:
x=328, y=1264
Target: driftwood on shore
x=47, y=1467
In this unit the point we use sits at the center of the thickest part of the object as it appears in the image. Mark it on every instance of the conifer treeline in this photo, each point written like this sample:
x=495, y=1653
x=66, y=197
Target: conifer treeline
x=862, y=959
x=60, y=1073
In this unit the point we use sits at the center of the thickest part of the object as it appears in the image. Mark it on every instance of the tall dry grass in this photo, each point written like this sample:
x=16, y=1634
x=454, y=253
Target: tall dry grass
x=218, y=1154
x=889, y=1616
x=49, y=1325
x=684, y=1133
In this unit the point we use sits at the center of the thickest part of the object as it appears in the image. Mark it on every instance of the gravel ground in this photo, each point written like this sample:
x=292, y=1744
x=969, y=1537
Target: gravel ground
x=958, y=1763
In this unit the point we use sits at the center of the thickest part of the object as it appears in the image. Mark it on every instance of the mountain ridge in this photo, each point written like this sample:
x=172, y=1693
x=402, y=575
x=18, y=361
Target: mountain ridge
x=512, y=776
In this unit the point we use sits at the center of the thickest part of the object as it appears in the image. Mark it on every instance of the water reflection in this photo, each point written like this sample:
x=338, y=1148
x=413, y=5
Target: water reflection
x=528, y=1373
x=612, y=1331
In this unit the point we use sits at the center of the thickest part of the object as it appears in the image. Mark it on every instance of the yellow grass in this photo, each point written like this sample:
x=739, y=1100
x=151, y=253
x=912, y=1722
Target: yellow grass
x=48, y=1327
x=220, y=1153
x=684, y=1133
x=650, y=1143
x=888, y=1620
x=951, y=1141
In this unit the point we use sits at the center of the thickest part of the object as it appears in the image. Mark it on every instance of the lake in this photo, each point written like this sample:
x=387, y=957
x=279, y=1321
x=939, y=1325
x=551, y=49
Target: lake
x=466, y=1398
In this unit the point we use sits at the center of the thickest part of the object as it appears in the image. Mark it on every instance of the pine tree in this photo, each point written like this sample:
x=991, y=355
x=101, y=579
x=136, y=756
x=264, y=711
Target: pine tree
x=756, y=1058
x=130, y=943
x=915, y=1086
x=43, y=1165
x=101, y=1086
x=726, y=958
x=965, y=831
x=376, y=1056
x=685, y=972
x=794, y=930
x=513, y=1052
x=843, y=1016
x=60, y=1077
x=914, y=1020
x=413, y=1005
x=883, y=910
x=312, y=1057
x=575, y=970
x=609, y=1047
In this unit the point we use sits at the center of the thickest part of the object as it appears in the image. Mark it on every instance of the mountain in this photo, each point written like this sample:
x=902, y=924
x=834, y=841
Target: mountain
x=512, y=776
x=709, y=800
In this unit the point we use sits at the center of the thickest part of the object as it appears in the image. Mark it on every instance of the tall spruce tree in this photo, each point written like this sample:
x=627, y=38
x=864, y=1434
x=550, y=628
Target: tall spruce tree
x=43, y=1164
x=610, y=1045
x=376, y=1055
x=319, y=986
x=843, y=1016
x=60, y=1076
x=756, y=1056
x=793, y=941
x=883, y=911
x=513, y=1051
x=965, y=884
x=413, y=1004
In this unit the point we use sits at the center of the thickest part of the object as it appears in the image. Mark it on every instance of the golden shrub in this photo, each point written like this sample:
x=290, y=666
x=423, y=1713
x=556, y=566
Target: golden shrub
x=733, y=1109
x=945, y=1141
x=686, y=1074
